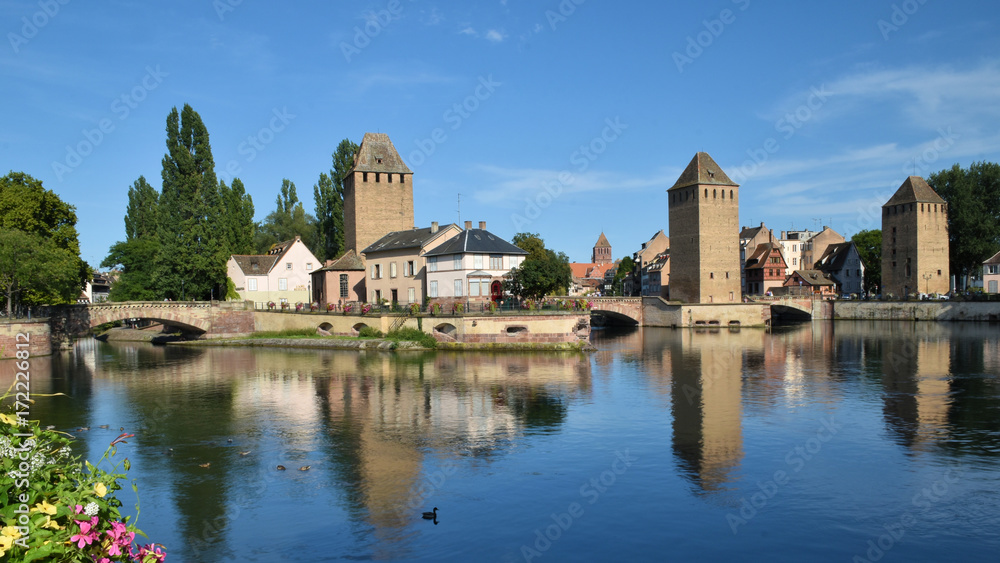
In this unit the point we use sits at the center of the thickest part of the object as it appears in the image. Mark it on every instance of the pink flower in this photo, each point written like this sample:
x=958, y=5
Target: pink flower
x=87, y=533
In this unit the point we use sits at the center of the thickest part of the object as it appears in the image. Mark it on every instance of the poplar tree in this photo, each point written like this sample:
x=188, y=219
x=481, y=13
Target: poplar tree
x=237, y=223
x=136, y=256
x=191, y=263
x=329, y=198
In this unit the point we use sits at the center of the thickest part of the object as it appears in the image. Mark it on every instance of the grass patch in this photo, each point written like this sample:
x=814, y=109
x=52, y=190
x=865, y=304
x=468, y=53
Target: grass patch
x=412, y=335
x=288, y=333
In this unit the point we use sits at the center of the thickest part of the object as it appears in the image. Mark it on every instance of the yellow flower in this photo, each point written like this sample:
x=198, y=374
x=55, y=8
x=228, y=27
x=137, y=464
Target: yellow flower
x=10, y=532
x=45, y=507
x=100, y=489
x=8, y=419
x=50, y=523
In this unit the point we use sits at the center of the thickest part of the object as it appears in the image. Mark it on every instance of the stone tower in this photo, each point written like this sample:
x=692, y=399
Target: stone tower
x=602, y=251
x=704, y=234
x=378, y=193
x=915, y=241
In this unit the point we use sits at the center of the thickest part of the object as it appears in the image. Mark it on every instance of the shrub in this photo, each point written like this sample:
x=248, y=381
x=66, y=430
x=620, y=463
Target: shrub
x=58, y=511
x=413, y=335
x=369, y=332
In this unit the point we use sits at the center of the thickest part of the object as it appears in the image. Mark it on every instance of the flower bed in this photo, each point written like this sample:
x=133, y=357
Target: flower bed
x=60, y=509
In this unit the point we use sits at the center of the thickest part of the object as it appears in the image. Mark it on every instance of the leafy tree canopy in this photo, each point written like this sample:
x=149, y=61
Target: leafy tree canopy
x=328, y=194
x=543, y=272
x=869, y=244
x=286, y=222
x=973, y=197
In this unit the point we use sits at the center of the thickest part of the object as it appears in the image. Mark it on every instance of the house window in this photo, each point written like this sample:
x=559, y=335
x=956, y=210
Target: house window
x=251, y=284
x=392, y=269
x=458, y=288
x=343, y=286
x=496, y=261
x=282, y=284
x=288, y=265
x=309, y=266
x=432, y=264
x=433, y=291
x=378, y=271
x=477, y=261
x=458, y=262
x=795, y=261
x=411, y=295
x=474, y=288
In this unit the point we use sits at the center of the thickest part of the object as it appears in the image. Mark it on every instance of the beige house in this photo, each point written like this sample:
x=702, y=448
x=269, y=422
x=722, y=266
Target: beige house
x=792, y=244
x=815, y=247
x=395, y=263
x=750, y=239
x=991, y=274
x=280, y=276
x=470, y=267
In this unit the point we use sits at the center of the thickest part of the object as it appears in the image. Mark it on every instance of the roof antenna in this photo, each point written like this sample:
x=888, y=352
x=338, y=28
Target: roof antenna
x=460, y=210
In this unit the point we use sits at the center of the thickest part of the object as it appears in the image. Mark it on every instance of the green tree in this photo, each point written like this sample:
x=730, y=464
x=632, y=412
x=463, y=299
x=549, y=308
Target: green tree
x=237, y=222
x=973, y=197
x=329, y=197
x=869, y=244
x=135, y=257
x=191, y=263
x=625, y=266
x=543, y=272
x=26, y=206
x=33, y=269
x=286, y=222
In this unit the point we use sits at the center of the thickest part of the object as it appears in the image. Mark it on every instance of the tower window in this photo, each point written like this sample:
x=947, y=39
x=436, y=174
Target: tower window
x=390, y=177
x=713, y=193
x=706, y=193
x=723, y=194
x=376, y=177
x=730, y=194
x=364, y=176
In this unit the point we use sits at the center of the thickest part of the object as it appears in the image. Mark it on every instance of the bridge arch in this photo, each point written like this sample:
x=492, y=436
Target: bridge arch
x=624, y=309
x=183, y=316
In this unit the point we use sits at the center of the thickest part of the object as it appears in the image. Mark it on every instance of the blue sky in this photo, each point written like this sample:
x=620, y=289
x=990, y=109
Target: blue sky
x=563, y=118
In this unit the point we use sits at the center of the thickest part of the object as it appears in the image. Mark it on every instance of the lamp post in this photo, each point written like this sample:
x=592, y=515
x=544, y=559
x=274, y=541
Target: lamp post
x=927, y=282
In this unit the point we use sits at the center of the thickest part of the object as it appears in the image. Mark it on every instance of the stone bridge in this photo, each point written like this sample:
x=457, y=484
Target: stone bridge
x=627, y=309
x=209, y=318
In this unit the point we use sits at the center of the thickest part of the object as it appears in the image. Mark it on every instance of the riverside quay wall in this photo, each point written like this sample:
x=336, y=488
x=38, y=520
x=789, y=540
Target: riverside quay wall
x=31, y=336
x=480, y=329
x=918, y=310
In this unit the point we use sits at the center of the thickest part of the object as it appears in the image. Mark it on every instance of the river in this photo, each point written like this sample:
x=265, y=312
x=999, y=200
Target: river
x=830, y=441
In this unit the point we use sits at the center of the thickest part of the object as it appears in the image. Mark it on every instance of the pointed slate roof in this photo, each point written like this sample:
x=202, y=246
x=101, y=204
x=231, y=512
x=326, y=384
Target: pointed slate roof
x=255, y=264
x=476, y=241
x=914, y=190
x=994, y=260
x=810, y=277
x=377, y=154
x=760, y=255
x=835, y=257
x=399, y=240
x=703, y=171
x=602, y=242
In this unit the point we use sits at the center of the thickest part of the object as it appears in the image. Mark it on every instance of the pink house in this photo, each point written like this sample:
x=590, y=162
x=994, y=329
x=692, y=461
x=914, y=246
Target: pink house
x=280, y=276
x=991, y=274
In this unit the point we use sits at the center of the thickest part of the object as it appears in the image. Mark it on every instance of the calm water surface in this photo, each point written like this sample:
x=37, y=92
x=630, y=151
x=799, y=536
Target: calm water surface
x=823, y=442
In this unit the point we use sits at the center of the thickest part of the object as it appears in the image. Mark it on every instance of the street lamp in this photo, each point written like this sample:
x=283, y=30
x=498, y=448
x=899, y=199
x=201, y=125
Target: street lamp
x=927, y=282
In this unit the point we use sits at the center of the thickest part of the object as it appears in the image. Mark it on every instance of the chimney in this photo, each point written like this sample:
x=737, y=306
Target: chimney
x=783, y=237
x=468, y=225
x=482, y=225
x=434, y=227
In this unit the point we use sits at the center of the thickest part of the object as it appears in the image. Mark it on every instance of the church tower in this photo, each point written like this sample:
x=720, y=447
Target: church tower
x=704, y=217
x=378, y=193
x=602, y=251
x=915, y=241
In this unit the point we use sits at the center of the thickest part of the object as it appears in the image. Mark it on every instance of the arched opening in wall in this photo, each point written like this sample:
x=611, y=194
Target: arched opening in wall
x=516, y=330
x=447, y=329
x=326, y=326
x=356, y=329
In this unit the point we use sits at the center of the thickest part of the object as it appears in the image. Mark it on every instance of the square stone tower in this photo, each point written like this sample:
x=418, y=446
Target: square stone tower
x=378, y=193
x=704, y=234
x=602, y=251
x=915, y=241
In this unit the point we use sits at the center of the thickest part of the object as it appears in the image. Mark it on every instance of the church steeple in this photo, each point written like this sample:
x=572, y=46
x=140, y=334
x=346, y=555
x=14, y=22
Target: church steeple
x=602, y=251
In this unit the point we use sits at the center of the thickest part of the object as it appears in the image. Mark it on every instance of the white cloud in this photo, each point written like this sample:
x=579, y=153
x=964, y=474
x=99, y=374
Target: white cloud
x=495, y=36
x=468, y=30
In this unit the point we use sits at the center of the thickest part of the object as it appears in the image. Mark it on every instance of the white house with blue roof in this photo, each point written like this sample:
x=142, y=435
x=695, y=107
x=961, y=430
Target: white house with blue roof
x=471, y=266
